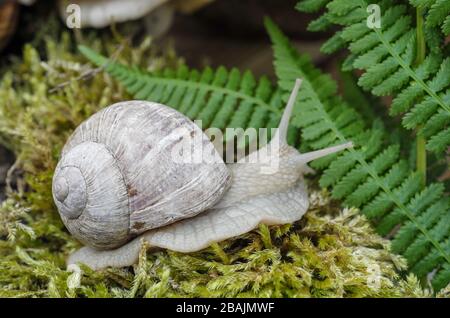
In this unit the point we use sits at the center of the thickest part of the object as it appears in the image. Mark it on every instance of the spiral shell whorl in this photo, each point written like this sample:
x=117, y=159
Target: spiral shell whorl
x=91, y=196
x=69, y=188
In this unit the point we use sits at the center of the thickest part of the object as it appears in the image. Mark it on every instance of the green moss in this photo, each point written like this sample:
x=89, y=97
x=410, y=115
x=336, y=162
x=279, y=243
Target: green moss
x=329, y=253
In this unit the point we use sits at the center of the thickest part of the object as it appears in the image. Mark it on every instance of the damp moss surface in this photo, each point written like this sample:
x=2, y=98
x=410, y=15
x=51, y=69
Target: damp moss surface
x=46, y=93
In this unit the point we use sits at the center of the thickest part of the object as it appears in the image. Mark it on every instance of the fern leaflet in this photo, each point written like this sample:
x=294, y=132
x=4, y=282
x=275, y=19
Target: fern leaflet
x=438, y=13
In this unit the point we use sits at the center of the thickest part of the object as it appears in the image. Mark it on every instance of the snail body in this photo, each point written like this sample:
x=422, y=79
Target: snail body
x=135, y=192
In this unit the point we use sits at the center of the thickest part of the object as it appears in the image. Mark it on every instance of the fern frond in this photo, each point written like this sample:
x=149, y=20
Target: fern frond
x=388, y=54
x=438, y=13
x=373, y=175
x=219, y=98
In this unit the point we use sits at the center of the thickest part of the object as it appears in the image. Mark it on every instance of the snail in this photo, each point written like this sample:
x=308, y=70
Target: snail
x=117, y=184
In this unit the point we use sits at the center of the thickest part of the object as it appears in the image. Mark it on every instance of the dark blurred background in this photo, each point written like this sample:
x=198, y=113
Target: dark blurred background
x=204, y=32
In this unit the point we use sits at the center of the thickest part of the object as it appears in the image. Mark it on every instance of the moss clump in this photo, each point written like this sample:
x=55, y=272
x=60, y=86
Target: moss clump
x=330, y=253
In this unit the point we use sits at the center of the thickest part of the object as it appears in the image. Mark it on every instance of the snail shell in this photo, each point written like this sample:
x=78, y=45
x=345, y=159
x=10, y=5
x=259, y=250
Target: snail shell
x=9, y=12
x=117, y=177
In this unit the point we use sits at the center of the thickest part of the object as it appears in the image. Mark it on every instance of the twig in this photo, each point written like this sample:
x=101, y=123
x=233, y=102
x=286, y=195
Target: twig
x=90, y=73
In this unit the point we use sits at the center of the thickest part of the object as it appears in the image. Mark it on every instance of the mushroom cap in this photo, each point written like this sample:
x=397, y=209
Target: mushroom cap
x=101, y=13
x=132, y=167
